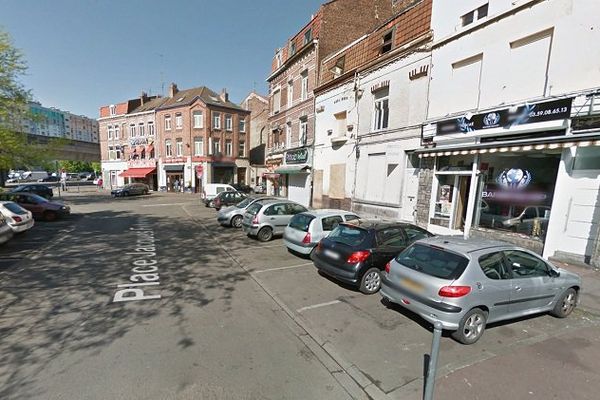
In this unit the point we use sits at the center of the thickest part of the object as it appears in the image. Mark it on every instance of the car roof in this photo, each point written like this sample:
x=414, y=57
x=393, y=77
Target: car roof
x=461, y=245
x=275, y=201
x=377, y=224
x=327, y=212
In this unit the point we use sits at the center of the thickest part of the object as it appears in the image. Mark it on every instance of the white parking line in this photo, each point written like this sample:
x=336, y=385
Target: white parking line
x=329, y=303
x=167, y=204
x=281, y=268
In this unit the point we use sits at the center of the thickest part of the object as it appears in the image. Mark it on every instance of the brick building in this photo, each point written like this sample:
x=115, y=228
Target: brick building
x=259, y=114
x=294, y=74
x=204, y=138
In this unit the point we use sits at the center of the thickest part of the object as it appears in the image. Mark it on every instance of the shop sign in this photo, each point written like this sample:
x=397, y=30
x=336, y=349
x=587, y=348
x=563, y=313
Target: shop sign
x=509, y=196
x=176, y=160
x=514, y=178
x=508, y=117
x=299, y=156
x=137, y=141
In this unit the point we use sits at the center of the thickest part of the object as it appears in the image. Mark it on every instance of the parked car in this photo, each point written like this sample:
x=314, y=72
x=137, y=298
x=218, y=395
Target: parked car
x=33, y=176
x=40, y=207
x=466, y=284
x=306, y=229
x=18, y=218
x=233, y=215
x=357, y=253
x=131, y=189
x=50, y=179
x=6, y=232
x=260, y=189
x=518, y=219
x=210, y=190
x=243, y=188
x=266, y=219
x=228, y=198
x=87, y=176
x=40, y=190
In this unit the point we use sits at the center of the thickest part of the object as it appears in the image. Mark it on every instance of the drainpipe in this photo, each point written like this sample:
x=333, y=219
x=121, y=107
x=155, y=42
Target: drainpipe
x=356, y=150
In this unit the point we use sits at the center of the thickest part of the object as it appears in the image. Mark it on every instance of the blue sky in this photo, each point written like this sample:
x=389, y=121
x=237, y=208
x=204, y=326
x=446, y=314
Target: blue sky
x=86, y=53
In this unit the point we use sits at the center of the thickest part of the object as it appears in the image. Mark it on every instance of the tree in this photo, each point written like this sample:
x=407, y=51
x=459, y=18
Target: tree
x=16, y=150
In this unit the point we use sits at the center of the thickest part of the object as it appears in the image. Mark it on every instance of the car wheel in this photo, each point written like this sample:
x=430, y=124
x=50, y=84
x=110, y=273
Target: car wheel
x=371, y=281
x=49, y=216
x=565, y=304
x=265, y=234
x=471, y=326
x=236, y=221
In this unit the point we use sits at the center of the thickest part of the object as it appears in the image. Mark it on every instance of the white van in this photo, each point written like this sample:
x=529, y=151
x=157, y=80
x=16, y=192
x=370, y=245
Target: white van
x=211, y=190
x=33, y=176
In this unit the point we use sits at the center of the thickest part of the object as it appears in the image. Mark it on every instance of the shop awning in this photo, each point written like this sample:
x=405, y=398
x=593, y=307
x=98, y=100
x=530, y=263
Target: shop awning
x=271, y=175
x=136, y=172
x=551, y=143
x=224, y=164
x=173, y=168
x=292, y=169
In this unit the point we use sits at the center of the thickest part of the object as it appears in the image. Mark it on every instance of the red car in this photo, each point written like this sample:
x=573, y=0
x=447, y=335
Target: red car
x=40, y=207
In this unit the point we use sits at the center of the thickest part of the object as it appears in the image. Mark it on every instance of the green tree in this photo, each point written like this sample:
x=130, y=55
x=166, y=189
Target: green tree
x=15, y=149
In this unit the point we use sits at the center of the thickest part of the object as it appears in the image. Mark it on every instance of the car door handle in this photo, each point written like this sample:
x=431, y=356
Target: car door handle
x=518, y=288
x=272, y=218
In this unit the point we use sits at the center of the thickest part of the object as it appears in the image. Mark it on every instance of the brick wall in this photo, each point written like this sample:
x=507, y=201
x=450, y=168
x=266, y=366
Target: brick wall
x=424, y=193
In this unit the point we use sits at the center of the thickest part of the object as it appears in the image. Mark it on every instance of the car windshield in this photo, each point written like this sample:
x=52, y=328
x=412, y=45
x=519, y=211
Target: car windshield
x=254, y=208
x=350, y=235
x=433, y=261
x=15, y=208
x=301, y=222
x=244, y=203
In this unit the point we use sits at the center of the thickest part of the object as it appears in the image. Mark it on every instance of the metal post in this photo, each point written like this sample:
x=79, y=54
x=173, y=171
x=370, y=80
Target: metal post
x=433, y=358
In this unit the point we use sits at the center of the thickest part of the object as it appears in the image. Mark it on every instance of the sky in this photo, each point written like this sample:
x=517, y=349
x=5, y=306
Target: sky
x=82, y=54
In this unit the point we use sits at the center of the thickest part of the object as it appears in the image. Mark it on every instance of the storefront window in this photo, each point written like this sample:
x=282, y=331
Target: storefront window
x=515, y=192
x=443, y=203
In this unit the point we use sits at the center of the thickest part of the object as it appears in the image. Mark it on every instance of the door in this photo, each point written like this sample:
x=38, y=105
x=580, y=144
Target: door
x=460, y=212
x=277, y=216
x=496, y=287
x=533, y=288
x=409, y=194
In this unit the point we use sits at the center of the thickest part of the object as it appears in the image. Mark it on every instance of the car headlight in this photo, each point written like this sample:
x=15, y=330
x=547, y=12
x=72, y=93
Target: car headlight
x=64, y=208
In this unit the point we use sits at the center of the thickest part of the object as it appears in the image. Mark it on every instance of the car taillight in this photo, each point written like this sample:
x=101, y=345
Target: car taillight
x=388, y=266
x=454, y=291
x=358, y=256
x=18, y=219
x=306, y=239
x=255, y=220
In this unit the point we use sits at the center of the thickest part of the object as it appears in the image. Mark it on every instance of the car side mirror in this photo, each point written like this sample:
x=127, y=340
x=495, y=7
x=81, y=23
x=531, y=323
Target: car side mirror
x=553, y=273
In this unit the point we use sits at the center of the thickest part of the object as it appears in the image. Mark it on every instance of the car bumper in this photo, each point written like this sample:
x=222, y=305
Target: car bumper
x=251, y=230
x=299, y=248
x=6, y=233
x=432, y=311
x=22, y=226
x=224, y=220
x=335, y=272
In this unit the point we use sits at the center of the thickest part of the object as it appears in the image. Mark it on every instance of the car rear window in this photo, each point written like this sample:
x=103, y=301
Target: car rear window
x=253, y=209
x=301, y=222
x=433, y=261
x=350, y=235
x=15, y=208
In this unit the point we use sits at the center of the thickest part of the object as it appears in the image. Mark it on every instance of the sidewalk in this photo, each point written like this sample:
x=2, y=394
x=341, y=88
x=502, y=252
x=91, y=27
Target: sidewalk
x=562, y=367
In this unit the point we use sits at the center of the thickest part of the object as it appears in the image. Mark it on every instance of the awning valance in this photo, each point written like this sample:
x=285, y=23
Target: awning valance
x=136, y=172
x=292, y=169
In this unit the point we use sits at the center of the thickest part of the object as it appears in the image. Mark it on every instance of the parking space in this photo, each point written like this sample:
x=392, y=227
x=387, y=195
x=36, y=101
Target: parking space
x=387, y=344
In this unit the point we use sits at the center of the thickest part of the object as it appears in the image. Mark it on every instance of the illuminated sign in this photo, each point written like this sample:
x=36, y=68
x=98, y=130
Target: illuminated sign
x=514, y=178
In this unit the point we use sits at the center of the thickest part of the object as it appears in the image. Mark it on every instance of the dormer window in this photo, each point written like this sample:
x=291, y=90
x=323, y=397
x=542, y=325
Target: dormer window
x=338, y=68
x=476, y=14
x=112, y=109
x=292, y=48
x=308, y=36
x=387, y=42
x=278, y=58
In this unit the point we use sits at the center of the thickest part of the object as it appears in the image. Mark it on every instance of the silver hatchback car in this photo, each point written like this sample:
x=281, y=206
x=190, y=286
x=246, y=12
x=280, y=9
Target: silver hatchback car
x=306, y=229
x=233, y=215
x=465, y=284
x=268, y=218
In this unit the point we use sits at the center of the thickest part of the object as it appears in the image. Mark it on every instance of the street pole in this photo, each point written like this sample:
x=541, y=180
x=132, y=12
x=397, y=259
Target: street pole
x=433, y=359
x=58, y=174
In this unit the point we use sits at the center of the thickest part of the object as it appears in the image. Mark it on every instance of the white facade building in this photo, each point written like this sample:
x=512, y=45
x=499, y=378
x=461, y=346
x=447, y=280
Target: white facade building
x=502, y=156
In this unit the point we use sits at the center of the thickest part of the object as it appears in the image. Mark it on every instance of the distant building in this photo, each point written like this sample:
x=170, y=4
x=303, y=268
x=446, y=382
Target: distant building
x=52, y=122
x=259, y=129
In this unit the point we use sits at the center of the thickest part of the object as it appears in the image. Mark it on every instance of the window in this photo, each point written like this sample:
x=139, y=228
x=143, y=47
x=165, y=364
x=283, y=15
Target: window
x=432, y=261
x=466, y=75
x=167, y=122
x=382, y=113
x=110, y=131
x=198, y=120
x=112, y=109
x=303, y=131
x=301, y=222
x=493, y=266
x=141, y=130
x=387, y=42
x=293, y=209
x=308, y=36
x=228, y=122
x=242, y=149
x=276, y=101
x=471, y=16
x=198, y=146
x=413, y=233
x=304, y=87
x=216, y=120
x=290, y=93
x=338, y=68
x=168, y=148
x=276, y=209
x=216, y=146
x=288, y=135
x=150, y=128
x=341, y=126
x=393, y=237
x=228, y=148
x=329, y=223
x=278, y=59
x=117, y=132
x=525, y=265
x=132, y=130
x=351, y=217
x=242, y=125
x=179, y=147
x=292, y=48
x=178, y=121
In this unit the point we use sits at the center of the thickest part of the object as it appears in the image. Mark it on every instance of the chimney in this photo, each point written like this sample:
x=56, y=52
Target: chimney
x=173, y=90
x=143, y=98
x=224, y=96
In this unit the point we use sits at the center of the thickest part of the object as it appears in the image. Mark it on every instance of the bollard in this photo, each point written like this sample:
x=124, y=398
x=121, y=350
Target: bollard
x=433, y=358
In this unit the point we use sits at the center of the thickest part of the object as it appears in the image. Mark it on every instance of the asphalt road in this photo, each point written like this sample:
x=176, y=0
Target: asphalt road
x=236, y=318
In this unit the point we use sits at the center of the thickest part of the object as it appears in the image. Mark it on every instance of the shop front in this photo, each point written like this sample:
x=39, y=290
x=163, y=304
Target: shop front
x=174, y=177
x=276, y=184
x=296, y=171
x=143, y=171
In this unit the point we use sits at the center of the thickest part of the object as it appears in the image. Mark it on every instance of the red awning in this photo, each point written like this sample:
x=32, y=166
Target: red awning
x=136, y=172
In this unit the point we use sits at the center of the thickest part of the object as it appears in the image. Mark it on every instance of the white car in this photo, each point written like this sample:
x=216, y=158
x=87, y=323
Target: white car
x=18, y=218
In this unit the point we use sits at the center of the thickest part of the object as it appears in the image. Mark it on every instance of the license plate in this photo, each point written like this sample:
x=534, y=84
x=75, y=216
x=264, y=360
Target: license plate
x=410, y=284
x=331, y=254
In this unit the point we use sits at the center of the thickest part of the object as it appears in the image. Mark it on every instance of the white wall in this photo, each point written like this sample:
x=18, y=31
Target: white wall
x=513, y=68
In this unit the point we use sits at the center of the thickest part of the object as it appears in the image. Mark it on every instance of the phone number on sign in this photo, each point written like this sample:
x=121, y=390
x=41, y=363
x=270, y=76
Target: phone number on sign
x=542, y=113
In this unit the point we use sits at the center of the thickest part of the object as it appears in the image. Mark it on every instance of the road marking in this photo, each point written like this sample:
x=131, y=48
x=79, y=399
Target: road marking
x=168, y=204
x=269, y=245
x=329, y=303
x=281, y=268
